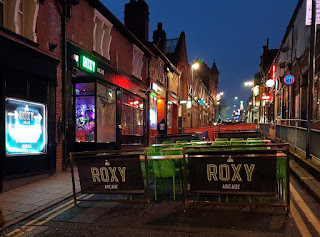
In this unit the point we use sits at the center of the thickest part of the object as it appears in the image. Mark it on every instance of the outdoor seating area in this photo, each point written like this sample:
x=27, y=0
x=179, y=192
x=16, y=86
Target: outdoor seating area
x=212, y=171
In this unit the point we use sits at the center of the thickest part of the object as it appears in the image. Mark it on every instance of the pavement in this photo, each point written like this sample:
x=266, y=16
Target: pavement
x=306, y=171
x=20, y=203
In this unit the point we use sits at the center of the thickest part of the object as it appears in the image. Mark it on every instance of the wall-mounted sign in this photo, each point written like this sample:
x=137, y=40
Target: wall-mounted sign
x=201, y=102
x=266, y=97
x=26, y=127
x=241, y=105
x=288, y=79
x=88, y=64
x=256, y=90
x=270, y=83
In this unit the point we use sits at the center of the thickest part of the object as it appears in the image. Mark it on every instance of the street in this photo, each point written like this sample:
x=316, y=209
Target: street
x=167, y=218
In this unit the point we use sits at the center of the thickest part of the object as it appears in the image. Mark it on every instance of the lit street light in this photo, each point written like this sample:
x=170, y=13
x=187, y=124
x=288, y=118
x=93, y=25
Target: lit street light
x=195, y=66
x=236, y=97
x=249, y=83
x=221, y=93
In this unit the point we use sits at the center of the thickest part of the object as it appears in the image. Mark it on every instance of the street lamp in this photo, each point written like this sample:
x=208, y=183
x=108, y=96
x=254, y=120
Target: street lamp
x=249, y=83
x=236, y=97
x=194, y=66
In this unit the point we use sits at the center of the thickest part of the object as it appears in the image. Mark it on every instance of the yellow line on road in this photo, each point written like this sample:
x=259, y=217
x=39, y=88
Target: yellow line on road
x=40, y=217
x=309, y=214
x=55, y=215
x=300, y=224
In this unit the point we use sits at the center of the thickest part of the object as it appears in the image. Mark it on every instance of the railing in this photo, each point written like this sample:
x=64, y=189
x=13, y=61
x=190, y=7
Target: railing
x=294, y=132
x=265, y=128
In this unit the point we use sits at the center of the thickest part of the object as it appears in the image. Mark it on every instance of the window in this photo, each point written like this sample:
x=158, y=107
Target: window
x=19, y=17
x=1, y=12
x=132, y=115
x=106, y=114
x=137, y=62
x=102, y=35
x=85, y=112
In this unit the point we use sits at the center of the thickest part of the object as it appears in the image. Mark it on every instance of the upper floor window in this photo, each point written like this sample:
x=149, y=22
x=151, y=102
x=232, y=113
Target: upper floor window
x=1, y=12
x=20, y=16
x=137, y=62
x=102, y=35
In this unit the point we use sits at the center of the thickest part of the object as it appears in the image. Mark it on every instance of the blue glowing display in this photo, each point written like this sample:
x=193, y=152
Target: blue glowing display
x=26, y=127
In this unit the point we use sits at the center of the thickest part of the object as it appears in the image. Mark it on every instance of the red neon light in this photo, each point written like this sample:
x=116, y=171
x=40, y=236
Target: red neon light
x=266, y=97
x=273, y=72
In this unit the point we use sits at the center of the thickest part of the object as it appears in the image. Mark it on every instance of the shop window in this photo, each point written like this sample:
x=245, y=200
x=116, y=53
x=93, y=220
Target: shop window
x=102, y=35
x=106, y=114
x=137, y=62
x=132, y=116
x=85, y=112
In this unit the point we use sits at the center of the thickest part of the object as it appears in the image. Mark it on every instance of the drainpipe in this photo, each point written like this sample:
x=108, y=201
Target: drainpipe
x=310, y=78
x=64, y=75
x=148, y=105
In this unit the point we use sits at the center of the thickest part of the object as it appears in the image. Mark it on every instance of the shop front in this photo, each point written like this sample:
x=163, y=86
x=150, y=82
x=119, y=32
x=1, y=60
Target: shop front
x=109, y=108
x=27, y=120
x=158, y=108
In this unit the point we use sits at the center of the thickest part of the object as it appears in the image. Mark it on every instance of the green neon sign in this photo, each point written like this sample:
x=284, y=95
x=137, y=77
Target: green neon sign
x=88, y=64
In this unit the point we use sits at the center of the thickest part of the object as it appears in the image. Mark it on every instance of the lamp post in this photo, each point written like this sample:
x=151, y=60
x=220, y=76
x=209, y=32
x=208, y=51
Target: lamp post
x=194, y=66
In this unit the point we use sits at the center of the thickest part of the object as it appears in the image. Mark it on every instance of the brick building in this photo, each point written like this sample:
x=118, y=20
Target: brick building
x=29, y=76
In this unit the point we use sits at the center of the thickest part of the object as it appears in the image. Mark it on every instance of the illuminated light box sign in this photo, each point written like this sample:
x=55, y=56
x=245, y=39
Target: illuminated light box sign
x=88, y=64
x=288, y=79
x=266, y=97
x=25, y=127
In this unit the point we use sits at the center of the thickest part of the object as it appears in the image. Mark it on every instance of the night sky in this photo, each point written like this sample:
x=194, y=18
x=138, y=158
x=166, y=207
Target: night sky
x=231, y=32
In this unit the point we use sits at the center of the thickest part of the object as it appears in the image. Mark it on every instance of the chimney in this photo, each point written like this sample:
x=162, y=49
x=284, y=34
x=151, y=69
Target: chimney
x=160, y=38
x=136, y=18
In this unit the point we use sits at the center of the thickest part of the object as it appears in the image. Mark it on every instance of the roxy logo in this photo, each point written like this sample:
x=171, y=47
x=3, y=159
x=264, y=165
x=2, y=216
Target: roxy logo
x=108, y=174
x=226, y=172
x=26, y=115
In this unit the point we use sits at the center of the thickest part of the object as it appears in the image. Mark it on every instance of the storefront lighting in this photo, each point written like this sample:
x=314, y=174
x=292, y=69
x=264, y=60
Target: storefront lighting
x=195, y=98
x=189, y=104
x=170, y=102
x=155, y=87
x=183, y=102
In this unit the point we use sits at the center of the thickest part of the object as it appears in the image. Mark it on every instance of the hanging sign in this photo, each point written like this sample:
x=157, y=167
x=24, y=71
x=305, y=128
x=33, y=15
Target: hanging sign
x=309, y=12
x=26, y=127
x=266, y=97
x=288, y=79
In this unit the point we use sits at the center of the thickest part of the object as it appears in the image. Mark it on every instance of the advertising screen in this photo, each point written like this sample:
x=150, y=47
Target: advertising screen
x=25, y=127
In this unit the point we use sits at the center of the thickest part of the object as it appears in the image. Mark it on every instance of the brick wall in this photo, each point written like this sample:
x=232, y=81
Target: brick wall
x=49, y=31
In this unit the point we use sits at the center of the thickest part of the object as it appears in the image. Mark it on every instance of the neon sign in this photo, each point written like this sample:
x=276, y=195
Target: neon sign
x=26, y=127
x=88, y=64
x=266, y=97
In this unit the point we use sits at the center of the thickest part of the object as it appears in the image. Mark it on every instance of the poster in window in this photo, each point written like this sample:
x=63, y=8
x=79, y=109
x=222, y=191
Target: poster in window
x=25, y=127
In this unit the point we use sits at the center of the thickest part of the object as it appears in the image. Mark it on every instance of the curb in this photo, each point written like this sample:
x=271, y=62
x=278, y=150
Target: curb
x=34, y=212
x=306, y=180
